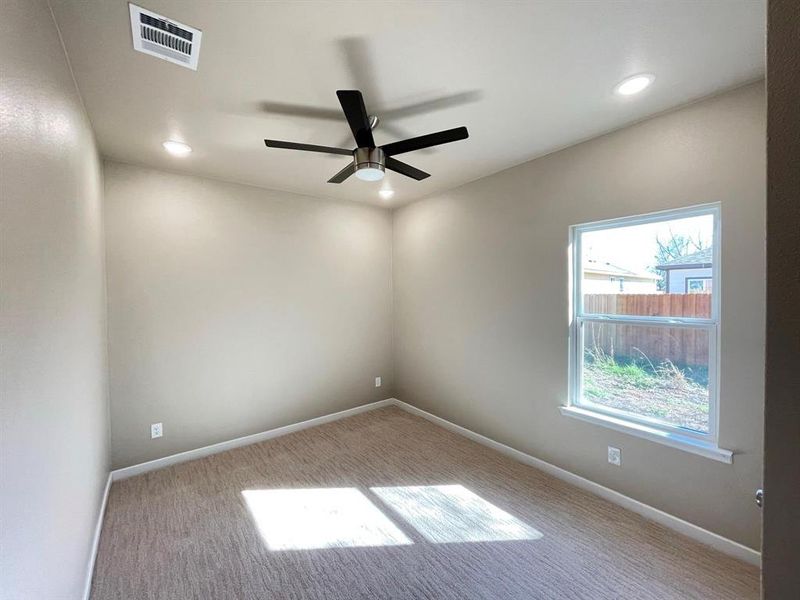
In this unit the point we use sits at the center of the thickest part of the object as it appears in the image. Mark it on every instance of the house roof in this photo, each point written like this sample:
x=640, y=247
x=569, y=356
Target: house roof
x=606, y=268
x=701, y=258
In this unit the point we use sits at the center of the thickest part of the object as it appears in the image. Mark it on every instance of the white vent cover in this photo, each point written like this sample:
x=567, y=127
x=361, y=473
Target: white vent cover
x=165, y=38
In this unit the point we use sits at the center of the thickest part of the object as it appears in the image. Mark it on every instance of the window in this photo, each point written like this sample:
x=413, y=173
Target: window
x=698, y=285
x=643, y=356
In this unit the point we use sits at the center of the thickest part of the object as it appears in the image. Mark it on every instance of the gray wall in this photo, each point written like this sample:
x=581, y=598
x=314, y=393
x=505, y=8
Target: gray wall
x=481, y=301
x=781, y=576
x=54, y=415
x=234, y=309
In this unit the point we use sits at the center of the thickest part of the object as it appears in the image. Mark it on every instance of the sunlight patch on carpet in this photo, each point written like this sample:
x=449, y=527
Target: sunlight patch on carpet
x=452, y=513
x=305, y=519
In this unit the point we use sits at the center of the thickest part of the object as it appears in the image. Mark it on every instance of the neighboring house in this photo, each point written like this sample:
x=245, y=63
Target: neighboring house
x=605, y=278
x=690, y=274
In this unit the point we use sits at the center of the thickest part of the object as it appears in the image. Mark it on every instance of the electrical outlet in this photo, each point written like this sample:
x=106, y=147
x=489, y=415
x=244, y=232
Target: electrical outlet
x=156, y=430
x=377, y=382
x=615, y=456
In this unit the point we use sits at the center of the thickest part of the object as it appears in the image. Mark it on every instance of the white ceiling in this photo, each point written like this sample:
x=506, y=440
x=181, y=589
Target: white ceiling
x=525, y=78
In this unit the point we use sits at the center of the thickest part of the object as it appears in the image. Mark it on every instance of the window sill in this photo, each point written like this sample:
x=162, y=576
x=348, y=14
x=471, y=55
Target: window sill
x=674, y=440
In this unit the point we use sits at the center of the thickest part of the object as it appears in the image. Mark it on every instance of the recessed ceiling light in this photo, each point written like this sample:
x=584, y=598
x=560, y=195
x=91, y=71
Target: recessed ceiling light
x=177, y=148
x=635, y=84
x=386, y=194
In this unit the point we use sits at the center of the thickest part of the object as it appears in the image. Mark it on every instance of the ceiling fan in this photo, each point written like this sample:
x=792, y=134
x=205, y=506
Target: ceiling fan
x=370, y=161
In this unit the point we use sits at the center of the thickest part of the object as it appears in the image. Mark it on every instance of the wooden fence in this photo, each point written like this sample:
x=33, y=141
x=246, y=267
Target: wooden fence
x=683, y=346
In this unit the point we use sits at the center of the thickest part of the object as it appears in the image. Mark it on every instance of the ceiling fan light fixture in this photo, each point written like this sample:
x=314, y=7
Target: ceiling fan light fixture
x=370, y=164
x=367, y=173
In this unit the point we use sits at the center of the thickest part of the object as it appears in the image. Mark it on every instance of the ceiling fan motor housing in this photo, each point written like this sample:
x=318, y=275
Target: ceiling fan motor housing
x=370, y=158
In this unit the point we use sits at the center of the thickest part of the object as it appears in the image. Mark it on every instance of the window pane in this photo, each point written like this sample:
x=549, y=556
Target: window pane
x=654, y=372
x=659, y=269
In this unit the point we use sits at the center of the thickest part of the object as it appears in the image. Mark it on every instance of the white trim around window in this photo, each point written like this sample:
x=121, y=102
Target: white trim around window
x=697, y=442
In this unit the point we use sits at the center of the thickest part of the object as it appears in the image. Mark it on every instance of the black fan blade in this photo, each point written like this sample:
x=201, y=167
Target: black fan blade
x=356, y=113
x=404, y=169
x=425, y=141
x=307, y=147
x=343, y=174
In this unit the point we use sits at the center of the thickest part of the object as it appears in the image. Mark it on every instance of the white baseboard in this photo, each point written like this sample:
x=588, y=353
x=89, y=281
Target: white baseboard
x=699, y=534
x=690, y=530
x=255, y=438
x=87, y=586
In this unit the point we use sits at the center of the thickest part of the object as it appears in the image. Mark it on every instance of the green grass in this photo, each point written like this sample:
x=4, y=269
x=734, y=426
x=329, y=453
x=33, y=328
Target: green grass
x=662, y=390
x=592, y=391
x=630, y=374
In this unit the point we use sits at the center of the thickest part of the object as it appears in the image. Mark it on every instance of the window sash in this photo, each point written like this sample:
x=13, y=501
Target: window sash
x=579, y=317
x=577, y=398
x=576, y=266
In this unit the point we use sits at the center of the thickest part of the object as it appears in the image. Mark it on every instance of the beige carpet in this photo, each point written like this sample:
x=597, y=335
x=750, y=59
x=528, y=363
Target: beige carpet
x=387, y=505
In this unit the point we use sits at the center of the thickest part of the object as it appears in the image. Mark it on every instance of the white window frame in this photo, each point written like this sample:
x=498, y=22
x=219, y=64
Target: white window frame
x=705, y=444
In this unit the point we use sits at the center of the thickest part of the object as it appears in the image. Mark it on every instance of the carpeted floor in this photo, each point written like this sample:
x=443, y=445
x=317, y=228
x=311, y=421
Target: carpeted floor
x=387, y=505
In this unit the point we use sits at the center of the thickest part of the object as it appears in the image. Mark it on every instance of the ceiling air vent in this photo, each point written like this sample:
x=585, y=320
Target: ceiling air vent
x=165, y=38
